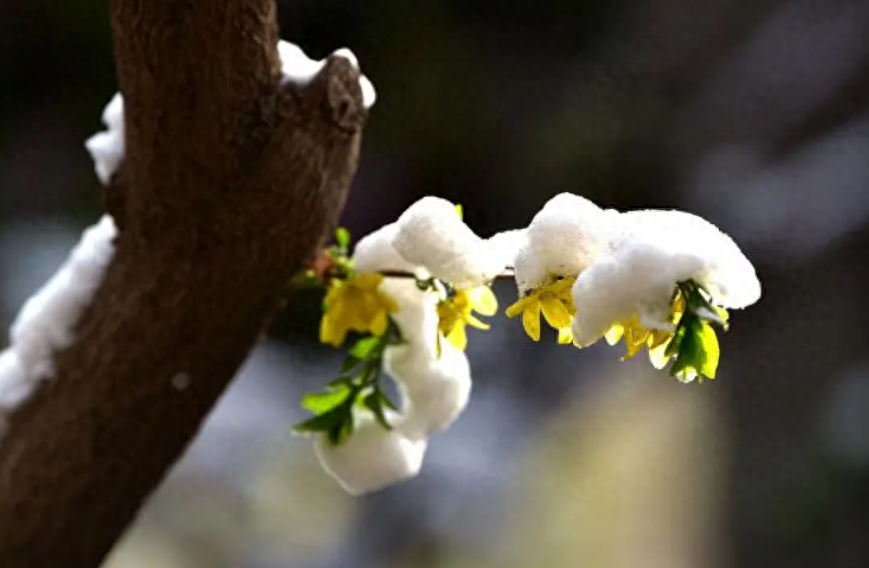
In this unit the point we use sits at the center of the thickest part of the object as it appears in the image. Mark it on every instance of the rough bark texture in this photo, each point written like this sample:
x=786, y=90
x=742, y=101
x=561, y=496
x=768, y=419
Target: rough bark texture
x=230, y=181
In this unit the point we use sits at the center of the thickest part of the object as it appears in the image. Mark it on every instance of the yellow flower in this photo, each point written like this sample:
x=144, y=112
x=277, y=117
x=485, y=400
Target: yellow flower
x=456, y=312
x=556, y=304
x=355, y=304
x=637, y=336
x=697, y=352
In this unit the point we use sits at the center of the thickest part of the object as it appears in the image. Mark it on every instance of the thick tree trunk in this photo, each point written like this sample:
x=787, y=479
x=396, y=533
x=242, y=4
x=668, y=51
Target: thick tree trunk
x=230, y=181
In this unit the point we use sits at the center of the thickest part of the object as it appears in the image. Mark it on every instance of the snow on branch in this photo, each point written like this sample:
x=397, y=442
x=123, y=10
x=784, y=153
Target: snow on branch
x=658, y=280
x=46, y=323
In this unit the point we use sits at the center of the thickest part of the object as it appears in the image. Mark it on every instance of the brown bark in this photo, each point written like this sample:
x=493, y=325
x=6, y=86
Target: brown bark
x=230, y=182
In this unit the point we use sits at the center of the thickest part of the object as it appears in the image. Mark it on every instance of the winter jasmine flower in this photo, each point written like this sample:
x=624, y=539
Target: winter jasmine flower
x=554, y=302
x=355, y=304
x=654, y=253
x=636, y=336
x=565, y=237
x=668, y=271
x=457, y=311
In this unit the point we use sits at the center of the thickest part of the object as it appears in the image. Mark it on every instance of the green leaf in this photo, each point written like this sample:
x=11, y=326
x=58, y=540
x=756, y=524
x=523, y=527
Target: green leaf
x=363, y=348
x=690, y=353
x=338, y=424
x=322, y=423
x=675, y=343
x=341, y=380
x=343, y=430
x=323, y=402
x=373, y=402
x=698, y=352
x=711, y=350
x=349, y=363
x=342, y=238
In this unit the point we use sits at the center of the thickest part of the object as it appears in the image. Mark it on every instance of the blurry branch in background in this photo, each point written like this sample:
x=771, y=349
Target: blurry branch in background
x=231, y=180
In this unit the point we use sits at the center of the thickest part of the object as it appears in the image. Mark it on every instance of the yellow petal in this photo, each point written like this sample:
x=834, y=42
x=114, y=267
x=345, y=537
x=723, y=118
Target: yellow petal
x=332, y=331
x=555, y=312
x=484, y=301
x=635, y=340
x=356, y=318
x=332, y=293
x=658, y=338
x=380, y=323
x=330, y=324
x=677, y=307
x=520, y=305
x=711, y=349
x=657, y=357
x=458, y=337
x=531, y=321
x=368, y=280
x=562, y=286
x=474, y=322
x=387, y=302
x=444, y=326
x=326, y=333
x=460, y=301
x=366, y=306
x=614, y=334
x=565, y=336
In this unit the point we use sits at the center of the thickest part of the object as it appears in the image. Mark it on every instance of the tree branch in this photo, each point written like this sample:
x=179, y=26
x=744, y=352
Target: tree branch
x=230, y=182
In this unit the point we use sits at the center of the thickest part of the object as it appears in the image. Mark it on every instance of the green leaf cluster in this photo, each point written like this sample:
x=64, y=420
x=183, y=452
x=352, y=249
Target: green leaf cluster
x=358, y=385
x=694, y=346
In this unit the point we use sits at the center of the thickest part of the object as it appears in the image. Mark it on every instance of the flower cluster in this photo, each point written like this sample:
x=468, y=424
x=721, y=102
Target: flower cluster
x=655, y=280
x=411, y=302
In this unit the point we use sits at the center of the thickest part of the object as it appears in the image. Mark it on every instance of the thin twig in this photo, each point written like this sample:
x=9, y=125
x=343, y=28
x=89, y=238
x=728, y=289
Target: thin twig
x=506, y=275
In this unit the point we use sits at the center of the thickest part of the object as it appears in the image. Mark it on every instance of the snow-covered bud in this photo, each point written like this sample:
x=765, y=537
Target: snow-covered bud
x=372, y=458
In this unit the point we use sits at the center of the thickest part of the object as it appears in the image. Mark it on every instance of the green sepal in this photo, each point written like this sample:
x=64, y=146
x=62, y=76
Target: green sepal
x=342, y=238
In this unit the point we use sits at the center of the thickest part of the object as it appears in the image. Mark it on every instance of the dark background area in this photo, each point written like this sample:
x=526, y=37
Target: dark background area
x=752, y=113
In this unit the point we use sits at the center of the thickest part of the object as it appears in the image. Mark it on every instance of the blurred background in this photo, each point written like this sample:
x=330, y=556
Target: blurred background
x=752, y=113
